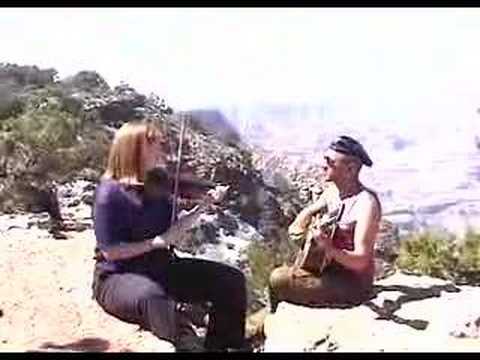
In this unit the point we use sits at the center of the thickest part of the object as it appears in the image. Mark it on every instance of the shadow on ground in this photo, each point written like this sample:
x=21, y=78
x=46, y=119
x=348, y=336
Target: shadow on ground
x=389, y=307
x=90, y=344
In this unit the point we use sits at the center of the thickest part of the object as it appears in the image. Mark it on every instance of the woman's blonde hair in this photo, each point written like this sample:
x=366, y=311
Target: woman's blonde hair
x=126, y=152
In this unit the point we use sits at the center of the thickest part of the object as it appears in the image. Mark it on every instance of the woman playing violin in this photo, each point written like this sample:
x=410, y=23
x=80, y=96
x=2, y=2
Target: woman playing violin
x=137, y=278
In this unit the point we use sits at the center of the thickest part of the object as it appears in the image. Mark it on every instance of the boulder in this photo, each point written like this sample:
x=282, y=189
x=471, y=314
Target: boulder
x=387, y=248
x=26, y=75
x=468, y=327
x=91, y=92
x=406, y=313
x=88, y=81
x=213, y=122
x=124, y=104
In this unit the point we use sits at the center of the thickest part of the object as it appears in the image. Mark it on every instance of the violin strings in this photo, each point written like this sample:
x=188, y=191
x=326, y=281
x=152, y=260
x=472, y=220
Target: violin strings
x=183, y=119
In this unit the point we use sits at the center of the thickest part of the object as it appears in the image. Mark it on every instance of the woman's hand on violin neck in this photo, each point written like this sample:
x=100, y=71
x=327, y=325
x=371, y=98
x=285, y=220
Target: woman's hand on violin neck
x=185, y=212
x=216, y=196
x=158, y=242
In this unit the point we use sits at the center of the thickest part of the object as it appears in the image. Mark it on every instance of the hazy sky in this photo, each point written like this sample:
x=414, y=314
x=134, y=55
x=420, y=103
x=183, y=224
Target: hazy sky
x=369, y=62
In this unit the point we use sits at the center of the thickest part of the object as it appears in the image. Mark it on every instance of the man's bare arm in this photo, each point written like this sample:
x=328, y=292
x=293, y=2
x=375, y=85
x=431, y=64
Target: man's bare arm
x=304, y=218
x=366, y=230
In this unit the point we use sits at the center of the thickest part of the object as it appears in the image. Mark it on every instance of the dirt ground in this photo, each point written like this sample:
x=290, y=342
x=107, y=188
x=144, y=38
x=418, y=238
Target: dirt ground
x=45, y=298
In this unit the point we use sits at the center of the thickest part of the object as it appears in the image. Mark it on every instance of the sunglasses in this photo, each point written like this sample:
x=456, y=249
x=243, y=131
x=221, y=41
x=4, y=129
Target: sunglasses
x=330, y=162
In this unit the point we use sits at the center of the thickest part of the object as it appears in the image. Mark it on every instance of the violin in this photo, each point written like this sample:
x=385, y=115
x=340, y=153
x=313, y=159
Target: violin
x=161, y=181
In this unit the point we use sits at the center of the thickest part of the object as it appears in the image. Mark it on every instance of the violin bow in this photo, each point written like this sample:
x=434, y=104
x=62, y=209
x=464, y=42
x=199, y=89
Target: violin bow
x=183, y=118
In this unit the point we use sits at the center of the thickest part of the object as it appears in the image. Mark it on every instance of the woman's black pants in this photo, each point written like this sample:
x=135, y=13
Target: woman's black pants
x=148, y=299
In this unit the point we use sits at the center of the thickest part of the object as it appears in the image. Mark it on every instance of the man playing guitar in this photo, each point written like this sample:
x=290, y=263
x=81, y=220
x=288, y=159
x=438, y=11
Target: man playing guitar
x=345, y=253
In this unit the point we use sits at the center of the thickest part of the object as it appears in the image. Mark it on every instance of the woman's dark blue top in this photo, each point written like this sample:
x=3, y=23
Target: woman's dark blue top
x=123, y=215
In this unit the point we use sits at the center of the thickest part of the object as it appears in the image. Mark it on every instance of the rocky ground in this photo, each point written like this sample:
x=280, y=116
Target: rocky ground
x=408, y=314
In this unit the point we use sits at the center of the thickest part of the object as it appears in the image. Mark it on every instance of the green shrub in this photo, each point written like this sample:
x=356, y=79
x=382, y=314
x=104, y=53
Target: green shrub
x=440, y=255
x=263, y=257
x=89, y=152
x=10, y=107
x=50, y=145
x=46, y=128
x=468, y=263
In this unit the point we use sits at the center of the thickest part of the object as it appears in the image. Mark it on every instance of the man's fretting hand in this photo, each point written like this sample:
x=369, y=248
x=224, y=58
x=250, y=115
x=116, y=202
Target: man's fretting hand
x=323, y=238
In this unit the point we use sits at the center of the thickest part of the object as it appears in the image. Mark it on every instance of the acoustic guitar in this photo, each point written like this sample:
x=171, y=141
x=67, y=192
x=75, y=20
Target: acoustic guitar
x=312, y=256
